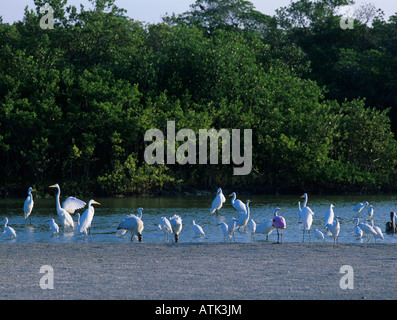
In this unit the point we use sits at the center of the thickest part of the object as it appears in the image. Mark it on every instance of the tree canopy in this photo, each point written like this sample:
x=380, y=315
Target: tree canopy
x=76, y=100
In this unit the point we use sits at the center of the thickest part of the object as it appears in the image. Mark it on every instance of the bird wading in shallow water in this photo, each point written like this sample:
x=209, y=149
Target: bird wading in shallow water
x=197, y=229
x=70, y=205
x=28, y=205
x=237, y=204
x=87, y=217
x=391, y=226
x=9, y=231
x=176, y=225
x=307, y=217
x=134, y=224
x=279, y=223
x=218, y=201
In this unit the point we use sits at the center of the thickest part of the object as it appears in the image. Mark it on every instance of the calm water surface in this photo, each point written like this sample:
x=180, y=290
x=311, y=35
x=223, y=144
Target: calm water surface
x=114, y=210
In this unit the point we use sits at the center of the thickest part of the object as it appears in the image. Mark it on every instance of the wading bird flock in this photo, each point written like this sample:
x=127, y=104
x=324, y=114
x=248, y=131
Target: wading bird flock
x=173, y=226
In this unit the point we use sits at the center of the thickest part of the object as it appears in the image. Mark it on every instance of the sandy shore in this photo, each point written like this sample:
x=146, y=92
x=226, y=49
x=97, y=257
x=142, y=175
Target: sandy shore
x=198, y=271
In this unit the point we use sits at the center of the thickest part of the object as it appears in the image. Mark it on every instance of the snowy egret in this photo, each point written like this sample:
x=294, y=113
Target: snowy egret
x=68, y=206
x=279, y=223
x=197, y=229
x=251, y=227
x=237, y=204
x=366, y=228
x=334, y=228
x=357, y=231
x=266, y=227
x=329, y=217
x=218, y=201
x=225, y=231
x=86, y=218
x=230, y=227
x=379, y=234
x=391, y=226
x=359, y=207
x=176, y=225
x=307, y=217
x=9, y=230
x=244, y=217
x=319, y=235
x=54, y=226
x=134, y=224
x=165, y=226
x=28, y=205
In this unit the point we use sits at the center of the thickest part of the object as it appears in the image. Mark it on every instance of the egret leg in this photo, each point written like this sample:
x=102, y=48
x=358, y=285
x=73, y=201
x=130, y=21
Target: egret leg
x=303, y=239
x=90, y=234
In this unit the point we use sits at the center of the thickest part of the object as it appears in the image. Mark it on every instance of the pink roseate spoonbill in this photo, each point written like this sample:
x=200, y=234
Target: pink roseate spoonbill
x=279, y=223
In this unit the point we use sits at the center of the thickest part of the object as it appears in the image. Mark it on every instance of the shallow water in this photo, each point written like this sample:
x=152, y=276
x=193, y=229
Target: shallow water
x=113, y=210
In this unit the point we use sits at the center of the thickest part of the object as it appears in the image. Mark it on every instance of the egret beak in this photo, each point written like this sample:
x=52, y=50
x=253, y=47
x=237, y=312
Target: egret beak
x=34, y=190
x=302, y=196
x=53, y=186
x=282, y=210
x=230, y=195
x=96, y=202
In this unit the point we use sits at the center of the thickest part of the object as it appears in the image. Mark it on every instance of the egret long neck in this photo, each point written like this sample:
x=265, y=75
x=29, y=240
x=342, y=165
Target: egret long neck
x=58, y=199
x=304, y=203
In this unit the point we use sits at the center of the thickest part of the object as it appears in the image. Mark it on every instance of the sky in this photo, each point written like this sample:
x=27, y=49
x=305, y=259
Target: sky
x=151, y=11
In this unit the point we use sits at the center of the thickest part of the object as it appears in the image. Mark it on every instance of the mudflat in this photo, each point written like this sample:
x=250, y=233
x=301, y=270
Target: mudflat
x=197, y=271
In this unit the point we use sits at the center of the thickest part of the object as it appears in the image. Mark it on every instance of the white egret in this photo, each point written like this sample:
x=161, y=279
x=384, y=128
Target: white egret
x=319, y=235
x=359, y=207
x=366, y=228
x=176, y=225
x=379, y=234
x=165, y=226
x=134, y=224
x=230, y=228
x=225, y=231
x=251, y=227
x=54, y=226
x=86, y=218
x=28, y=205
x=9, y=230
x=237, y=204
x=370, y=211
x=307, y=217
x=244, y=217
x=218, y=201
x=329, y=217
x=357, y=231
x=70, y=205
x=391, y=226
x=197, y=229
x=299, y=211
x=334, y=228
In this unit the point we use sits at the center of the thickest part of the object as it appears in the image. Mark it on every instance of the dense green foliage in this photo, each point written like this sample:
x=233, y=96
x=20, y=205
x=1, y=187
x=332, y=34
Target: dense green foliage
x=76, y=100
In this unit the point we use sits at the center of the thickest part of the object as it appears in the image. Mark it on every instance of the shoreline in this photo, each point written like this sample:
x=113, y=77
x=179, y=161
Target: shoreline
x=197, y=271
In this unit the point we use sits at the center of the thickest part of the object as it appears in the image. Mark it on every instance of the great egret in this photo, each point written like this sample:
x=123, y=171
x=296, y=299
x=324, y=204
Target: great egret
x=266, y=227
x=334, y=228
x=379, y=234
x=366, y=228
x=319, y=235
x=359, y=207
x=218, y=201
x=370, y=211
x=237, y=204
x=307, y=217
x=391, y=226
x=86, y=218
x=197, y=229
x=251, y=227
x=244, y=217
x=54, y=226
x=176, y=225
x=279, y=223
x=329, y=217
x=165, y=226
x=134, y=224
x=70, y=205
x=299, y=211
x=9, y=230
x=28, y=205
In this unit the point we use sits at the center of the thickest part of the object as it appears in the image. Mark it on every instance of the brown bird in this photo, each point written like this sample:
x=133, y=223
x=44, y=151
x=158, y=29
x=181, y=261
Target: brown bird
x=391, y=226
